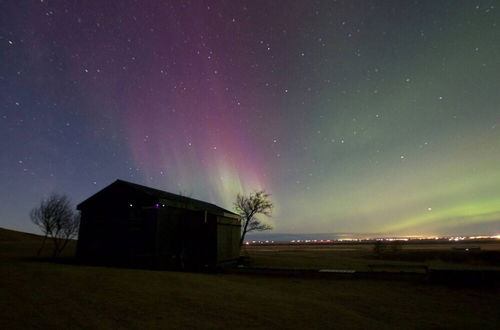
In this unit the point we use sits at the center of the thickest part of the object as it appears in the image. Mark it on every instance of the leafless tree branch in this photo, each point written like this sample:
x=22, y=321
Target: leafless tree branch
x=248, y=207
x=57, y=220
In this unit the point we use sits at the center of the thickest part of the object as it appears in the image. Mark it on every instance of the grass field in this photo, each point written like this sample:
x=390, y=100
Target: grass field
x=44, y=294
x=360, y=256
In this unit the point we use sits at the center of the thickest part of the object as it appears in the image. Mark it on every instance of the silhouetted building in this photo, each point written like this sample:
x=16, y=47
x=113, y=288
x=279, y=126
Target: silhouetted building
x=130, y=224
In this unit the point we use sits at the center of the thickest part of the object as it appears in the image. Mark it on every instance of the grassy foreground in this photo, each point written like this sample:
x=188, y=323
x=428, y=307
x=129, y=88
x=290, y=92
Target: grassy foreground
x=360, y=256
x=42, y=294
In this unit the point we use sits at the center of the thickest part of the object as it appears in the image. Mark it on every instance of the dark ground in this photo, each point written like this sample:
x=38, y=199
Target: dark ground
x=40, y=293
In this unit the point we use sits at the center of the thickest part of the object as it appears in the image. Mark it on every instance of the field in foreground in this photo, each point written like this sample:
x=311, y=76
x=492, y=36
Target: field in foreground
x=360, y=256
x=43, y=294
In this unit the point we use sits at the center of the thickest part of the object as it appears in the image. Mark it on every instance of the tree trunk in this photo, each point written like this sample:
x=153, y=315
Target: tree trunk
x=55, y=252
x=65, y=242
x=41, y=247
x=244, y=233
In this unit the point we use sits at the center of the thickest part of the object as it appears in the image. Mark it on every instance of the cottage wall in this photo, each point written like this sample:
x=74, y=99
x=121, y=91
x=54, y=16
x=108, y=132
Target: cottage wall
x=128, y=224
x=228, y=239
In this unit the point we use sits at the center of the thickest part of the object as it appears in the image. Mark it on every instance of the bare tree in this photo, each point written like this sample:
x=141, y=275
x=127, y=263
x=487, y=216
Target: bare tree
x=57, y=220
x=248, y=207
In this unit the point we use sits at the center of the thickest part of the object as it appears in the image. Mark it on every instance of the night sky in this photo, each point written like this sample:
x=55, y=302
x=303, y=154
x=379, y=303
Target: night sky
x=357, y=116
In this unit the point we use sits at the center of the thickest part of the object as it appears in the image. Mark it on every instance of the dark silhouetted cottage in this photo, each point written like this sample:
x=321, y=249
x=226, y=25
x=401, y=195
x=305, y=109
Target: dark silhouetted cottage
x=130, y=224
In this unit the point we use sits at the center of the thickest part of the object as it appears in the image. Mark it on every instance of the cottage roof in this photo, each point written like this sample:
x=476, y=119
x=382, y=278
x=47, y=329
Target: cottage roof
x=162, y=195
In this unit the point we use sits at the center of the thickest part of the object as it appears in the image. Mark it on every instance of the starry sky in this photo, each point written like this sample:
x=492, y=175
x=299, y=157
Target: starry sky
x=357, y=116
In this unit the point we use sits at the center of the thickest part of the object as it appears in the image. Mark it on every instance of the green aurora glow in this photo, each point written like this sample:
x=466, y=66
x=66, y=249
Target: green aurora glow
x=357, y=116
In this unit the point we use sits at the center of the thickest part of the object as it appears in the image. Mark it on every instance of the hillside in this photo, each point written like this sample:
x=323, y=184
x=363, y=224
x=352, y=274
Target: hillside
x=17, y=244
x=8, y=235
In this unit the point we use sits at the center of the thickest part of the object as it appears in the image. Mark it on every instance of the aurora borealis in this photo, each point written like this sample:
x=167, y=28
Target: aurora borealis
x=357, y=116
